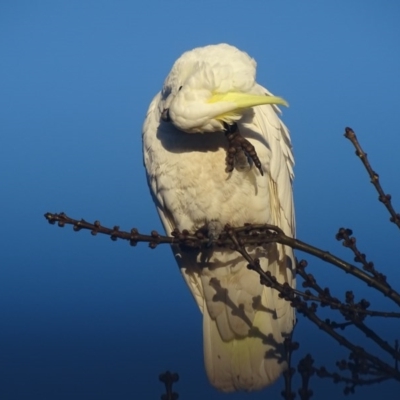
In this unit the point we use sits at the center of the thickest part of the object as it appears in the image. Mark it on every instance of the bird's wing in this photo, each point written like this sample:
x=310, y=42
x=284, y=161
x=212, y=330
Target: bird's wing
x=235, y=360
x=267, y=122
x=250, y=362
x=279, y=174
x=190, y=270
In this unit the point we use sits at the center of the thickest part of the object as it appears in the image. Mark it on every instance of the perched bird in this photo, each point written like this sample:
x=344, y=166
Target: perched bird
x=209, y=91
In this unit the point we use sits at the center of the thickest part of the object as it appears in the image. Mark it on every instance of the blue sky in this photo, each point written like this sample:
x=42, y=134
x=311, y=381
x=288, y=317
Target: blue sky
x=87, y=318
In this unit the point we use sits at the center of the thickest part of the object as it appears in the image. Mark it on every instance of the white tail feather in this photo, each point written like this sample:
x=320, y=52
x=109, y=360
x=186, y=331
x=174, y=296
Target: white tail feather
x=244, y=323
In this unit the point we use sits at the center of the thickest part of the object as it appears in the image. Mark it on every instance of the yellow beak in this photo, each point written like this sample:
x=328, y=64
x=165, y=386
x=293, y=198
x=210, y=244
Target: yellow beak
x=244, y=100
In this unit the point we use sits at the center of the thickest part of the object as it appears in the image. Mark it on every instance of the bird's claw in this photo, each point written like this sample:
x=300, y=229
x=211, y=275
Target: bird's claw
x=214, y=229
x=211, y=240
x=237, y=146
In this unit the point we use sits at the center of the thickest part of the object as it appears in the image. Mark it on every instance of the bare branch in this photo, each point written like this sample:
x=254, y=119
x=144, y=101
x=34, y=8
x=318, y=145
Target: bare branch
x=353, y=312
x=302, y=307
x=290, y=347
x=306, y=370
x=134, y=237
x=169, y=379
x=324, y=297
x=377, y=339
x=352, y=382
x=383, y=197
x=348, y=241
x=257, y=234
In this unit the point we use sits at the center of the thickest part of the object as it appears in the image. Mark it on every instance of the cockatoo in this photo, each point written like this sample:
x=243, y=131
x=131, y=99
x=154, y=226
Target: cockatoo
x=209, y=90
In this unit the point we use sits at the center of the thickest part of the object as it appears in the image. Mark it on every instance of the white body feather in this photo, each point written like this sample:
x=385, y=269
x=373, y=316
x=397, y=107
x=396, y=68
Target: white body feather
x=244, y=323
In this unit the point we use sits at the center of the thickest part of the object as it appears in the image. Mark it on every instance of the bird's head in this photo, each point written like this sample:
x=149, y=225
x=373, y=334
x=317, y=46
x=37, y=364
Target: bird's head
x=210, y=86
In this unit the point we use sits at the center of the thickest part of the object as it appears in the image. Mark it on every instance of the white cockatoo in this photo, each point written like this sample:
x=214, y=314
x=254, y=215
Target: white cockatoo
x=208, y=90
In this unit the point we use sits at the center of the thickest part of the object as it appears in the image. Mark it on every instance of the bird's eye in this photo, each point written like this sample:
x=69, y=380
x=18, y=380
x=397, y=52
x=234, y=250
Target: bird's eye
x=180, y=87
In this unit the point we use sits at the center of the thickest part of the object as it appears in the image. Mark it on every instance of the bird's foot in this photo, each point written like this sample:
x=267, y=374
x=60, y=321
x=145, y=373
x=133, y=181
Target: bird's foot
x=239, y=147
x=214, y=229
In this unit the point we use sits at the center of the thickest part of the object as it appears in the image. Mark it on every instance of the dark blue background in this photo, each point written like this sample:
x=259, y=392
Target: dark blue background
x=86, y=318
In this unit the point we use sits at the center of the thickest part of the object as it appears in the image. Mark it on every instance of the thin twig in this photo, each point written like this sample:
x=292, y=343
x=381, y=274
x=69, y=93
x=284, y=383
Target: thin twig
x=351, y=383
x=349, y=241
x=169, y=379
x=383, y=197
x=324, y=297
x=290, y=347
x=306, y=370
x=383, y=344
